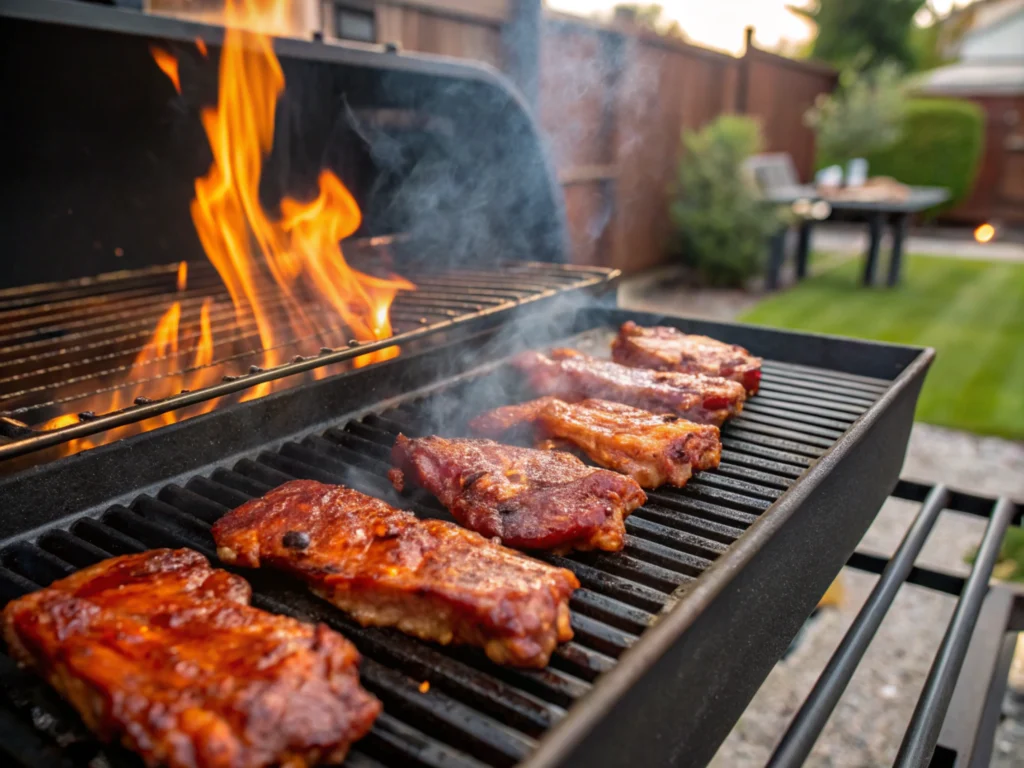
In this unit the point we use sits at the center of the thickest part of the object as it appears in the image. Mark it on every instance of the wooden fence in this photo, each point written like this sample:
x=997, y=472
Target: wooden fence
x=614, y=102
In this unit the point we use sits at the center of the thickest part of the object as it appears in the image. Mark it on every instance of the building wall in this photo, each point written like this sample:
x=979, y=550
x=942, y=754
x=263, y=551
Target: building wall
x=1002, y=40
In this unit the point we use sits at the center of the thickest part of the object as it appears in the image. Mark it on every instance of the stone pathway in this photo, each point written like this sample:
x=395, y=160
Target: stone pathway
x=868, y=724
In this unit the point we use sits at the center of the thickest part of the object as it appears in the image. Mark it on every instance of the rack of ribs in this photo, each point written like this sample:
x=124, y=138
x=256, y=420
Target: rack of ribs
x=386, y=567
x=571, y=376
x=528, y=498
x=653, y=449
x=165, y=653
x=669, y=349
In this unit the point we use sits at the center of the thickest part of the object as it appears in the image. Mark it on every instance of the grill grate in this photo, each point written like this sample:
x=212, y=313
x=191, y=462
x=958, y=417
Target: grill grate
x=474, y=713
x=69, y=348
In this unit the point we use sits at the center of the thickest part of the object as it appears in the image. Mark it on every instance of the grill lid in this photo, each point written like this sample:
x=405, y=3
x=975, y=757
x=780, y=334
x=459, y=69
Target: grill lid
x=442, y=150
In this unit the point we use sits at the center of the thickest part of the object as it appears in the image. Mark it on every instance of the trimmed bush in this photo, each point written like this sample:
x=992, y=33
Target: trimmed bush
x=941, y=146
x=721, y=227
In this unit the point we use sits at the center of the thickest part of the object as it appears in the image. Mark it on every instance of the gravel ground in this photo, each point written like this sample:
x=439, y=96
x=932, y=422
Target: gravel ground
x=868, y=724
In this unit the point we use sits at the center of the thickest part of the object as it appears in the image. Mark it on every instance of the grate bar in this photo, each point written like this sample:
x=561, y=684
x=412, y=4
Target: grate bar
x=473, y=713
x=919, y=743
x=803, y=732
x=574, y=278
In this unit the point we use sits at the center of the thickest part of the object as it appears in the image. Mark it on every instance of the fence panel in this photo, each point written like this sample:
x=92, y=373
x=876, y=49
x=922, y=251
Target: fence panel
x=779, y=92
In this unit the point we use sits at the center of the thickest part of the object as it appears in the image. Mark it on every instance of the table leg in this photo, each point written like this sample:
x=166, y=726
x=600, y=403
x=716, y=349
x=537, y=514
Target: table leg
x=875, y=228
x=803, y=248
x=776, y=256
x=899, y=234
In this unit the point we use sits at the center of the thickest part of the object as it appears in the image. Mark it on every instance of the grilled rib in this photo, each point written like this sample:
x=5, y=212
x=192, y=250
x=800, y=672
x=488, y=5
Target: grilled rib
x=386, y=567
x=165, y=653
x=653, y=449
x=571, y=376
x=525, y=497
x=669, y=349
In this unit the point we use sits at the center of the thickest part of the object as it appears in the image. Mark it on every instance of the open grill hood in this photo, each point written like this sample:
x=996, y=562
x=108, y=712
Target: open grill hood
x=107, y=152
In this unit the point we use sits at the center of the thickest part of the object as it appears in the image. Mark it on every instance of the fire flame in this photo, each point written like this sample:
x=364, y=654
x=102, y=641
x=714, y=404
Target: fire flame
x=168, y=65
x=296, y=257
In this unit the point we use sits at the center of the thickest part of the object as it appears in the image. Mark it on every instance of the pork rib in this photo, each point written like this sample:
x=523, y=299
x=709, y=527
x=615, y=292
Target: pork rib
x=386, y=567
x=571, y=376
x=527, y=498
x=165, y=653
x=668, y=349
x=653, y=449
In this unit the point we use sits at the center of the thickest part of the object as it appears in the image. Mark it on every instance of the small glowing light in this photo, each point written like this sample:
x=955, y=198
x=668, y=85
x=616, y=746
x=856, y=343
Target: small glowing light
x=985, y=233
x=821, y=210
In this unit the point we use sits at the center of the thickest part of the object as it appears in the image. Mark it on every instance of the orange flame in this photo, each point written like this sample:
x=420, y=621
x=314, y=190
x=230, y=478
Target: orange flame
x=300, y=252
x=201, y=46
x=274, y=267
x=168, y=65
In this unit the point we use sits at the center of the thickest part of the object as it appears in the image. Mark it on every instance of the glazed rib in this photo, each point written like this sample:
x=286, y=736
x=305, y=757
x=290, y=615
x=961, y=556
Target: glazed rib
x=571, y=376
x=165, y=653
x=669, y=349
x=386, y=567
x=525, y=497
x=653, y=449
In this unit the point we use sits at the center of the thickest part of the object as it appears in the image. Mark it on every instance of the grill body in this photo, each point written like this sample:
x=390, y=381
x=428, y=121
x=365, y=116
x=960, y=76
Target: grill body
x=673, y=635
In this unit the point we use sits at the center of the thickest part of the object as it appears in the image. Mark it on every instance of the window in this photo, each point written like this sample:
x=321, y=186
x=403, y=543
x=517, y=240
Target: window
x=354, y=24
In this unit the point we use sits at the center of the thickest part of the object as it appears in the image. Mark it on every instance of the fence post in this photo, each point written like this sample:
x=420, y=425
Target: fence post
x=521, y=42
x=743, y=73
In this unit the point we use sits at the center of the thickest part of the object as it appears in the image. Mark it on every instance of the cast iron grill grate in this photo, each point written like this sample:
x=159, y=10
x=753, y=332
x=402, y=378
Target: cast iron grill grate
x=72, y=347
x=474, y=713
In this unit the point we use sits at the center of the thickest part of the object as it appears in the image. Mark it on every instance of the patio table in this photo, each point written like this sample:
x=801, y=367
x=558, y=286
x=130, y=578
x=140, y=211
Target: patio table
x=896, y=212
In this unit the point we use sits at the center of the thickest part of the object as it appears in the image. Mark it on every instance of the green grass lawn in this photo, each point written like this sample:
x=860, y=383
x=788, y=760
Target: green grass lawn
x=972, y=312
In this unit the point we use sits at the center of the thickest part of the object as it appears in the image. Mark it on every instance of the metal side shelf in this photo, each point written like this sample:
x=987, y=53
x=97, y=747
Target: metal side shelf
x=956, y=716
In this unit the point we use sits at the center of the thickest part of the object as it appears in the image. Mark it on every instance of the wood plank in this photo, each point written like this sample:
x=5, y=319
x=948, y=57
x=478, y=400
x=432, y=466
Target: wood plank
x=489, y=10
x=586, y=174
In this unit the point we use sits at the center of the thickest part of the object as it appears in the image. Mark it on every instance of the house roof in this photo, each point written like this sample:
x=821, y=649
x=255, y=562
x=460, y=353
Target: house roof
x=974, y=78
x=991, y=13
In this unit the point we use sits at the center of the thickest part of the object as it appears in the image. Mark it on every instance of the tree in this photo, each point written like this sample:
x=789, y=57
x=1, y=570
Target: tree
x=864, y=115
x=649, y=16
x=863, y=33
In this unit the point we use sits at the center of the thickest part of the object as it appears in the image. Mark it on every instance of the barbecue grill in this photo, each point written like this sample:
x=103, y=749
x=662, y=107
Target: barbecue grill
x=672, y=636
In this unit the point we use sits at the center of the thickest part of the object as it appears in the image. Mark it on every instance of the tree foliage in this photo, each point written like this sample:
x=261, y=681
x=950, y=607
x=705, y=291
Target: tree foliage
x=864, y=115
x=649, y=16
x=865, y=33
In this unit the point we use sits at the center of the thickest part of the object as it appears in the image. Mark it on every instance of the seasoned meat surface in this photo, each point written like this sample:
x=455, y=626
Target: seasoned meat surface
x=165, y=653
x=571, y=376
x=651, y=448
x=386, y=567
x=525, y=497
x=669, y=349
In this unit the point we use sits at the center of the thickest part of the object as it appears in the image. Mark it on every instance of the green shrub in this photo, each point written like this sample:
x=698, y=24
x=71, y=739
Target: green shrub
x=720, y=225
x=941, y=147
x=864, y=115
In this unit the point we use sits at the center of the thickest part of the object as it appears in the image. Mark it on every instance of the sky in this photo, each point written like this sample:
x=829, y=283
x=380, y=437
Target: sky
x=720, y=23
